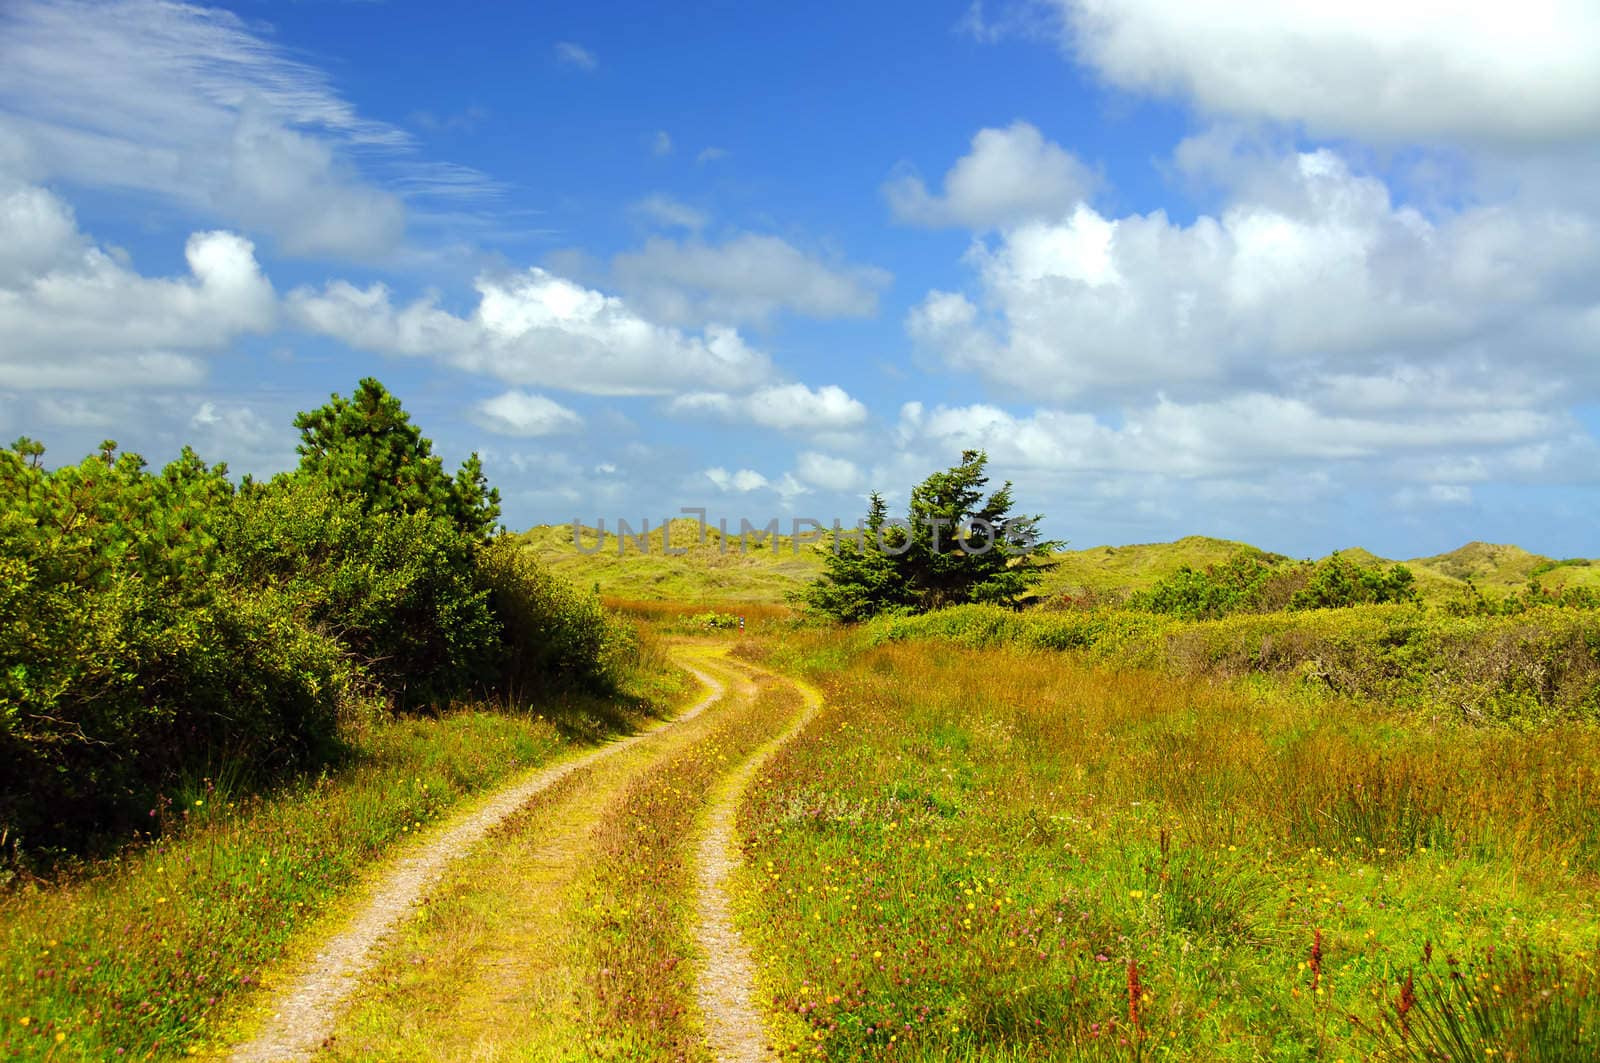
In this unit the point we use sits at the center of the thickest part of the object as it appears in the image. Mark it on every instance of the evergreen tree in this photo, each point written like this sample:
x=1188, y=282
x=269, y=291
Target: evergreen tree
x=367, y=447
x=955, y=546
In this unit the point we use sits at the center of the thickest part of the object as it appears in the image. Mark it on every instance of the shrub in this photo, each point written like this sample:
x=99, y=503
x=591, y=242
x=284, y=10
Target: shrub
x=397, y=589
x=124, y=661
x=551, y=632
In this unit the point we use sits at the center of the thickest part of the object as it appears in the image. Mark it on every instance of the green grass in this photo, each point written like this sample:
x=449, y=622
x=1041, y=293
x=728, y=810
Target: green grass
x=716, y=571
x=151, y=952
x=974, y=854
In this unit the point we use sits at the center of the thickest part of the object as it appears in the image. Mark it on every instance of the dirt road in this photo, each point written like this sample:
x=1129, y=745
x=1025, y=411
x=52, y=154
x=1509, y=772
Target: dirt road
x=469, y=947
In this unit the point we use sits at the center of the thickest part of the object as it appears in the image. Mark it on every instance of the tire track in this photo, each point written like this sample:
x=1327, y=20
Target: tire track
x=725, y=988
x=305, y=1014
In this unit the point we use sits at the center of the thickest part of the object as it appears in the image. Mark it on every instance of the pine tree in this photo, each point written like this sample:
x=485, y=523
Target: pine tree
x=955, y=546
x=367, y=447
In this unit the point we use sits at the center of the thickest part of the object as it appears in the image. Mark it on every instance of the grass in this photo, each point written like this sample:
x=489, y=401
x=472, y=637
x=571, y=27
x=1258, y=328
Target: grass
x=151, y=953
x=639, y=900
x=717, y=572
x=1522, y=671
x=999, y=854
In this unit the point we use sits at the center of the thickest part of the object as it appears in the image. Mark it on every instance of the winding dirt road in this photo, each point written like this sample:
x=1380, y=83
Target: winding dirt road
x=502, y=977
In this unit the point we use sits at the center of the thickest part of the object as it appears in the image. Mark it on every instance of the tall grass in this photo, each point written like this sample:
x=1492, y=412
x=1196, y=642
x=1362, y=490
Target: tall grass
x=1533, y=668
x=150, y=952
x=1005, y=854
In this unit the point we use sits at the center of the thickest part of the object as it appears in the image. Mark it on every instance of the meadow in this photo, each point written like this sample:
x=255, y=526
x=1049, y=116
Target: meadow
x=1005, y=853
x=156, y=951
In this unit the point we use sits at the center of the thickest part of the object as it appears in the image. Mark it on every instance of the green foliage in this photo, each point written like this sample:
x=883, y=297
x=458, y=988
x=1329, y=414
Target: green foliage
x=154, y=625
x=551, y=632
x=397, y=589
x=954, y=547
x=366, y=447
x=1239, y=585
x=125, y=659
x=1254, y=582
x=1336, y=583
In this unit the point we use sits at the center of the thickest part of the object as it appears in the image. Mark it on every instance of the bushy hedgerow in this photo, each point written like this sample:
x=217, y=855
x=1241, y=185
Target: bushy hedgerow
x=1254, y=582
x=158, y=626
x=125, y=659
x=1539, y=665
x=552, y=632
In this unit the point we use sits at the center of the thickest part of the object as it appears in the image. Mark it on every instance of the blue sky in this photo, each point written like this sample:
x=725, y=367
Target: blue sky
x=1305, y=274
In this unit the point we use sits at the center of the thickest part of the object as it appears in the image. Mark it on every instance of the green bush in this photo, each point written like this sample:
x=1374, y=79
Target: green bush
x=552, y=633
x=398, y=590
x=125, y=662
x=158, y=626
x=1533, y=667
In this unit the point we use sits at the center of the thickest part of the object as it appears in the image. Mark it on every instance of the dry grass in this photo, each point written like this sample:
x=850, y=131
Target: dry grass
x=975, y=854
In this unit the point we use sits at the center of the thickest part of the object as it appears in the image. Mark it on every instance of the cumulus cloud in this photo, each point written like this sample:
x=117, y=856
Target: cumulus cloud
x=1314, y=272
x=1480, y=70
x=523, y=413
x=827, y=472
x=576, y=56
x=745, y=481
x=1010, y=175
x=749, y=278
x=787, y=407
x=75, y=315
x=661, y=143
x=1234, y=436
x=192, y=105
x=537, y=329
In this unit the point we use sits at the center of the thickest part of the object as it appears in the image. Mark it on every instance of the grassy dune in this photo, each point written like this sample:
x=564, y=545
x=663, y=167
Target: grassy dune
x=717, y=571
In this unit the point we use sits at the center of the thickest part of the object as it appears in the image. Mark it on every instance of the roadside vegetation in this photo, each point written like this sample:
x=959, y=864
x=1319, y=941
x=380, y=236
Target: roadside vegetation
x=221, y=701
x=996, y=853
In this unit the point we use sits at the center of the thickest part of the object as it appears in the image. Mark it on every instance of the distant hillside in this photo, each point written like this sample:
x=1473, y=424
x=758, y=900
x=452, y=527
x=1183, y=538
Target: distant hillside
x=718, y=571
x=1131, y=568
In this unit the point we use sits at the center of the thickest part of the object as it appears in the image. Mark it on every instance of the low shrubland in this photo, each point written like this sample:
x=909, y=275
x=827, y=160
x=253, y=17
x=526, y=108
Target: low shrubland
x=157, y=626
x=1530, y=667
x=1001, y=854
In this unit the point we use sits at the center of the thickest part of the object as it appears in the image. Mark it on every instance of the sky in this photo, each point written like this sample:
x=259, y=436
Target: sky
x=1311, y=275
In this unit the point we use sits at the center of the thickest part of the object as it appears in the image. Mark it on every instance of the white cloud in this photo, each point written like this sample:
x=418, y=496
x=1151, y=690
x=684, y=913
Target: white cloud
x=827, y=472
x=1241, y=434
x=537, y=329
x=522, y=413
x=745, y=481
x=1313, y=273
x=670, y=213
x=1432, y=496
x=712, y=154
x=749, y=278
x=192, y=105
x=576, y=56
x=788, y=407
x=1474, y=69
x=1010, y=175
x=661, y=143
x=73, y=315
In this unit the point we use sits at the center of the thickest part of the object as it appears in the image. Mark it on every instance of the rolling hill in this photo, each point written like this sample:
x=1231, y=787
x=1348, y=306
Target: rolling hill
x=717, y=570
